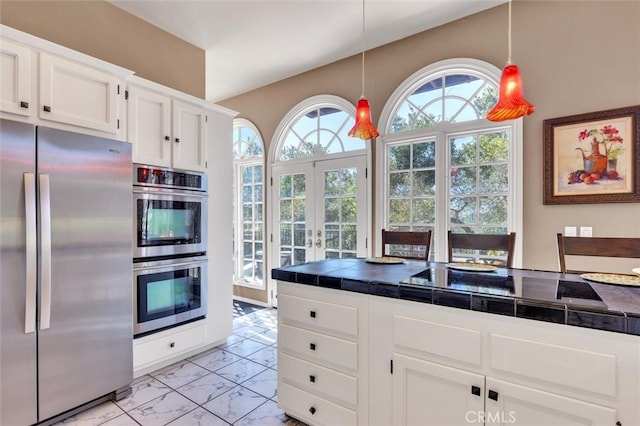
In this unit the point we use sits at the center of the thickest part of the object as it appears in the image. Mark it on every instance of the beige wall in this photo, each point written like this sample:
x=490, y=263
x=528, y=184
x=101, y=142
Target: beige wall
x=99, y=29
x=575, y=57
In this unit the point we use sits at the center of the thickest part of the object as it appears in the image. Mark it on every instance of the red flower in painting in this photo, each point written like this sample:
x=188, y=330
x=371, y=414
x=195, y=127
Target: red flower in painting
x=607, y=135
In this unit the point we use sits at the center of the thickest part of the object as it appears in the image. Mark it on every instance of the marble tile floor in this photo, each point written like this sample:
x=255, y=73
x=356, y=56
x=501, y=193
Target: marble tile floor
x=234, y=383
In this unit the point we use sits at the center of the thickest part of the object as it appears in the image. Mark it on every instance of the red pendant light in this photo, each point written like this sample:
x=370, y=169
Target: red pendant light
x=364, y=128
x=511, y=102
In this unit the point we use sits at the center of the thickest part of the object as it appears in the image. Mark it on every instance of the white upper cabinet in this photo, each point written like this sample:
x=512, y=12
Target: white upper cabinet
x=149, y=121
x=69, y=90
x=189, y=126
x=78, y=95
x=166, y=130
x=15, y=83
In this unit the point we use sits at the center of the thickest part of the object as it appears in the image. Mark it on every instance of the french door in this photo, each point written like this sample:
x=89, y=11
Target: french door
x=319, y=211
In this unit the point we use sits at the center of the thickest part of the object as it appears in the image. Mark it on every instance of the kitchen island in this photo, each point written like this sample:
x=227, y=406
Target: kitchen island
x=423, y=343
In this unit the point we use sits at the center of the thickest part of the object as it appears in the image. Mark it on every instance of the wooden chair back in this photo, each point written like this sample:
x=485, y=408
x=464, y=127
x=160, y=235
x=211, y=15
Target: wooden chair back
x=497, y=242
x=597, y=247
x=415, y=245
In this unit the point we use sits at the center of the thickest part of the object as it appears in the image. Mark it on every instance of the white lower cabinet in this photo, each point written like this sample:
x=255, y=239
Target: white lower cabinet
x=150, y=351
x=426, y=393
x=508, y=403
x=321, y=355
x=345, y=358
x=429, y=393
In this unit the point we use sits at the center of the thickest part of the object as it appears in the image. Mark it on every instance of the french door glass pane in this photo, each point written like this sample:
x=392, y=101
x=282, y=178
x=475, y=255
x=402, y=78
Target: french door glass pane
x=340, y=204
x=292, y=219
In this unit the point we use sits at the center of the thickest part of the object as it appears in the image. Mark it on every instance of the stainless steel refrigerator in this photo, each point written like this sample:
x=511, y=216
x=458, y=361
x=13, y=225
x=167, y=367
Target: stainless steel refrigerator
x=65, y=271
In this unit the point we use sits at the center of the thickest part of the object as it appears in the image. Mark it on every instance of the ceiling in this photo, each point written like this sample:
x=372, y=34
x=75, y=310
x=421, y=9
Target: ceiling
x=252, y=43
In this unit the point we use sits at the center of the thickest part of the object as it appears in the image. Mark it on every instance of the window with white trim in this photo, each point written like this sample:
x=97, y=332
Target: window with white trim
x=248, y=204
x=445, y=166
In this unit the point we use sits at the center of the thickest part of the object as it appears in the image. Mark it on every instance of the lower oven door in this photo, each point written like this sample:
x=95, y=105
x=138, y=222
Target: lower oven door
x=168, y=293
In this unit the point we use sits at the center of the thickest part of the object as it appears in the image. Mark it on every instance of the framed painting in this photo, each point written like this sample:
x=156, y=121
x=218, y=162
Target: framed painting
x=593, y=157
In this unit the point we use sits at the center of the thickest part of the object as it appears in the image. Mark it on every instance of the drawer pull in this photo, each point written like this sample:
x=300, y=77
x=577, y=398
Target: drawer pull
x=312, y=410
x=312, y=314
x=24, y=104
x=167, y=138
x=172, y=344
x=312, y=378
x=493, y=395
x=475, y=390
x=312, y=346
x=47, y=108
x=177, y=140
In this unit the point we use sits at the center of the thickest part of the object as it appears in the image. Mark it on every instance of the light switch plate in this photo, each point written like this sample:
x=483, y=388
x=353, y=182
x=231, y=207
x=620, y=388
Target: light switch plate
x=586, y=231
x=570, y=231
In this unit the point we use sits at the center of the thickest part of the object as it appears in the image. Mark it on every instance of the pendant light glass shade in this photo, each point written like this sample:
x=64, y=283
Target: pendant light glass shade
x=511, y=102
x=363, y=128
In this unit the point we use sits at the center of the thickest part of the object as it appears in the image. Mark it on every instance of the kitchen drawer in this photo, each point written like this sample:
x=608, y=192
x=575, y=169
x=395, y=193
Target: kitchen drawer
x=453, y=343
x=157, y=347
x=312, y=409
x=584, y=370
x=328, y=350
x=317, y=315
x=318, y=380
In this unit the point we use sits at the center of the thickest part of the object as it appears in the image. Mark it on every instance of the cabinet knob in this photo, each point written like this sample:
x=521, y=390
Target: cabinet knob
x=47, y=108
x=312, y=410
x=475, y=390
x=312, y=314
x=167, y=138
x=177, y=140
x=312, y=378
x=312, y=346
x=24, y=104
x=172, y=345
x=493, y=395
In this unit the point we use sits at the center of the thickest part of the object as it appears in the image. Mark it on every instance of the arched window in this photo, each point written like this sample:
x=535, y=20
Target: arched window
x=444, y=165
x=318, y=127
x=249, y=205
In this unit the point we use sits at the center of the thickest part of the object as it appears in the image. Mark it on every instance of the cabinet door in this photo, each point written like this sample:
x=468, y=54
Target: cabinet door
x=508, y=403
x=189, y=123
x=149, y=127
x=425, y=393
x=76, y=94
x=15, y=79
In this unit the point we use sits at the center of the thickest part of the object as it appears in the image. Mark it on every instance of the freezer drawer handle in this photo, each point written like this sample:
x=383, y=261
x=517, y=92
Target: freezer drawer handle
x=31, y=252
x=45, y=250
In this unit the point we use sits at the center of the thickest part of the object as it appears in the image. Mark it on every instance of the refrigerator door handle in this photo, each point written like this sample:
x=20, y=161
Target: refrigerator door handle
x=45, y=252
x=31, y=252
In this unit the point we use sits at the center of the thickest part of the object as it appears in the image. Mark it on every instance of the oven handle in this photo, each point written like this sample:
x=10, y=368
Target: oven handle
x=153, y=265
x=169, y=193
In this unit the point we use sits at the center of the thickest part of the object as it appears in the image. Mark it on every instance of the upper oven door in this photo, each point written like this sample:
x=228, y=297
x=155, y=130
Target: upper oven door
x=168, y=223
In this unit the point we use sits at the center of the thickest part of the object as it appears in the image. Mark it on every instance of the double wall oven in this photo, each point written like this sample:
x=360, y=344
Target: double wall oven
x=169, y=247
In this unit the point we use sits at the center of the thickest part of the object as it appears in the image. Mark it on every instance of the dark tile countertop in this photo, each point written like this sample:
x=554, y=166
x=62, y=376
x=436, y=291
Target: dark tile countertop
x=537, y=295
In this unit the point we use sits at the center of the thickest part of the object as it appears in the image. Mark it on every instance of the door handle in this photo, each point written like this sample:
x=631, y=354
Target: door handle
x=493, y=395
x=45, y=252
x=31, y=252
x=310, y=243
x=319, y=242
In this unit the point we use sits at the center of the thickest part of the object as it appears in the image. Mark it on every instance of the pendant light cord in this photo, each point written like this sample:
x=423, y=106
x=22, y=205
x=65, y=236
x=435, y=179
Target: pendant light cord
x=362, y=96
x=509, y=36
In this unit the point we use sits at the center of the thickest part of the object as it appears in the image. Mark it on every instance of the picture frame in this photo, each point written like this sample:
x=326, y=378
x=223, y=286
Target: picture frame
x=593, y=158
